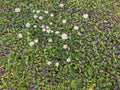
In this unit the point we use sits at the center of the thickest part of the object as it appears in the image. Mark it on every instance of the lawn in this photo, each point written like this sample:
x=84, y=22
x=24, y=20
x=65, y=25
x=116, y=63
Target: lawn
x=59, y=45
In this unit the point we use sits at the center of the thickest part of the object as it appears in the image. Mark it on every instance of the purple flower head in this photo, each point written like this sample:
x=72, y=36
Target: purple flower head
x=10, y=46
x=31, y=82
x=11, y=26
x=35, y=76
x=8, y=51
x=54, y=84
x=11, y=89
x=1, y=73
x=117, y=53
x=31, y=88
x=115, y=88
x=3, y=54
x=20, y=26
x=99, y=89
x=96, y=21
x=45, y=44
x=110, y=27
x=106, y=60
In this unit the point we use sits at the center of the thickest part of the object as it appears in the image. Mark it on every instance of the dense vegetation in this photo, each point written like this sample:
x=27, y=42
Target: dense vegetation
x=59, y=45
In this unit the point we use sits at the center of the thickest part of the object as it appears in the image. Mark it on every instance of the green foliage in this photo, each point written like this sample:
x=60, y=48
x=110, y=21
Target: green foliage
x=93, y=50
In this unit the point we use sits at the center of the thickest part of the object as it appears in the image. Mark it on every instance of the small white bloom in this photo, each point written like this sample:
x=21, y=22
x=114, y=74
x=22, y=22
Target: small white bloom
x=79, y=33
x=35, y=26
x=57, y=32
x=52, y=15
x=57, y=64
x=48, y=31
x=28, y=24
x=31, y=43
x=50, y=23
x=36, y=40
x=8, y=30
x=43, y=26
x=46, y=12
x=17, y=9
x=65, y=46
x=20, y=35
x=40, y=17
x=76, y=27
x=68, y=60
x=35, y=16
x=61, y=5
x=30, y=5
x=64, y=21
x=52, y=31
x=50, y=40
x=47, y=27
x=43, y=29
x=37, y=11
x=105, y=21
x=85, y=15
x=64, y=36
x=49, y=62
x=33, y=11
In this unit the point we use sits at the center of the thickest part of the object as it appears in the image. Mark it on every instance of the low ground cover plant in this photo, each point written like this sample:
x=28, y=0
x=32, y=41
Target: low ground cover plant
x=59, y=45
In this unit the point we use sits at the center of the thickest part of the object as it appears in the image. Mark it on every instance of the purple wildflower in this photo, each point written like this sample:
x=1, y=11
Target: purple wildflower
x=106, y=60
x=31, y=88
x=54, y=84
x=11, y=89
x=1, y=73
x=117, y=53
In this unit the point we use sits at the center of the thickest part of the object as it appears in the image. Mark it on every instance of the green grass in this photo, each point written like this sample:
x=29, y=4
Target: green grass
x=94, y=49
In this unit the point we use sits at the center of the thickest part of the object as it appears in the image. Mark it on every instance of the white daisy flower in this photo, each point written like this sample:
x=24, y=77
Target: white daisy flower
x=63, y=21
x=61, y=5
x=64, y=36
x=47, y=27
x=36, y=40
x=35, y=16
x=85, y=15
x=76, y=27
x=33, y=11
x=38, y=11
x=40, y=17
x=43, y=29
x=49, y=62
x=52, y=15
x=57, y=64
x=79, y=33
x=52, y=31
x=20, y=35
x=57, y=32
x=28, y=24
x=68, y=60
x=105, y=21
x=17, y=9
x=8, y=30
x=46, y=12
x=48, y=31
x=35, y=26
x=65, y=46
x=43, y=26
x=31, y=43
x=30, y=5
x=50, y=40
x=50, y=23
